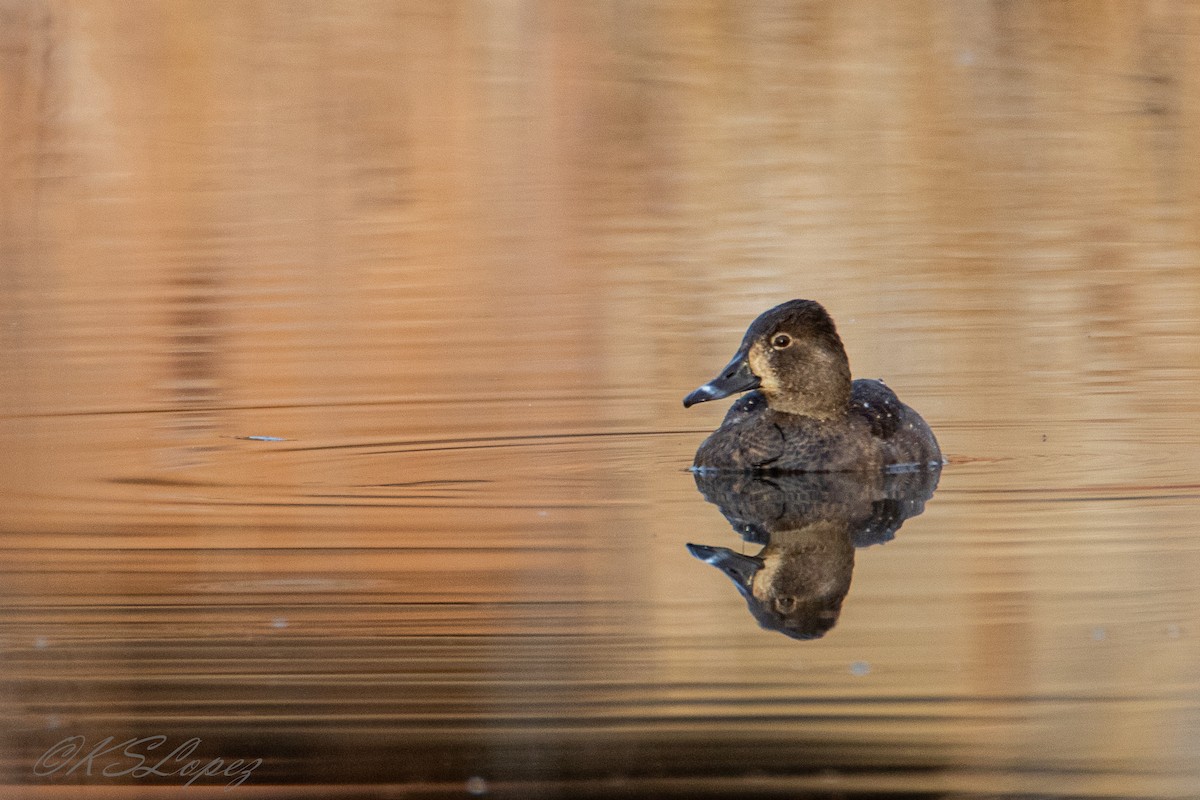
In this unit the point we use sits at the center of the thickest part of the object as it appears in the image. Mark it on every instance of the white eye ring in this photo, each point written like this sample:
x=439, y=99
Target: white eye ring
x=781, y=341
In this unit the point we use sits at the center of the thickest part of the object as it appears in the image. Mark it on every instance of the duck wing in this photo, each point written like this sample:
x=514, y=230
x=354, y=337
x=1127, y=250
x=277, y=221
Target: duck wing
x=878, y=405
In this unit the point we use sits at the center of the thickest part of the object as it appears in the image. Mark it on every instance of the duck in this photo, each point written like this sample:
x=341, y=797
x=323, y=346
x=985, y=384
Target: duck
x=801, y=412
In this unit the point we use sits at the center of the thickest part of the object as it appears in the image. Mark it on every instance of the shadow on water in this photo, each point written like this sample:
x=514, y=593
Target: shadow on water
x=809, y=526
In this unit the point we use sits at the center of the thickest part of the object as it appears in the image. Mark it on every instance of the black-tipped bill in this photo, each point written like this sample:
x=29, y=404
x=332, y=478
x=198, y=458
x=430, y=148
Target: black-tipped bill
x=738, y=568
x=736, y=377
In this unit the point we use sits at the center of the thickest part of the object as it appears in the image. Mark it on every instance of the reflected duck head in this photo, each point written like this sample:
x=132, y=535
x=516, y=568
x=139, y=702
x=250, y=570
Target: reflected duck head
x=793, y=355
x=796, y=591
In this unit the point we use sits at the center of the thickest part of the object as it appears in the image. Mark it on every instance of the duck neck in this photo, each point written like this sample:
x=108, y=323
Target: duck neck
x=822, y=391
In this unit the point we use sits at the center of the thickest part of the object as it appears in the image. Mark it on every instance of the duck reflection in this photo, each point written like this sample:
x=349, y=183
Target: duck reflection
x=809, y=525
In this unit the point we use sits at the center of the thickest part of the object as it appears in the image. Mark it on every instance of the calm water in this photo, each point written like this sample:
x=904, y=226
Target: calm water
x=342, y=357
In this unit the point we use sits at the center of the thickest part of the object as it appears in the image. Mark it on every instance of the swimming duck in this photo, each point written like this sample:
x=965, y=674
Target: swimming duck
x=802, y=413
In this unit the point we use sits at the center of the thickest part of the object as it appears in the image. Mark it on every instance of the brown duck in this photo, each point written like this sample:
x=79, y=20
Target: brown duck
x=802, y=412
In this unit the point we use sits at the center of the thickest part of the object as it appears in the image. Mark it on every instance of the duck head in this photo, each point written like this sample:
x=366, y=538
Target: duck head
x=793, y=355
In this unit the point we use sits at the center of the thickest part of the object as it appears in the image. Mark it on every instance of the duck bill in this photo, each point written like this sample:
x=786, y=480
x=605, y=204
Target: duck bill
x=736, y=377
x=738, y=568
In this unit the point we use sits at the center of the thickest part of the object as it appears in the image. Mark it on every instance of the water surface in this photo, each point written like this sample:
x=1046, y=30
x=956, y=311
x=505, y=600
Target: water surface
x=343, y=352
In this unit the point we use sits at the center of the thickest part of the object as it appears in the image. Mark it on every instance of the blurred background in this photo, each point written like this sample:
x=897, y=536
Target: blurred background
x=342, y=349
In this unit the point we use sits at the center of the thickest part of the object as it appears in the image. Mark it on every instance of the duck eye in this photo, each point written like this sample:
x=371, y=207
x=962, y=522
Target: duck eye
x=780, y=341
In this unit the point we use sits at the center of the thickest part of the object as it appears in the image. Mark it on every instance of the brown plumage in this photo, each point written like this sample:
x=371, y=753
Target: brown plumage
x=804, y=413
